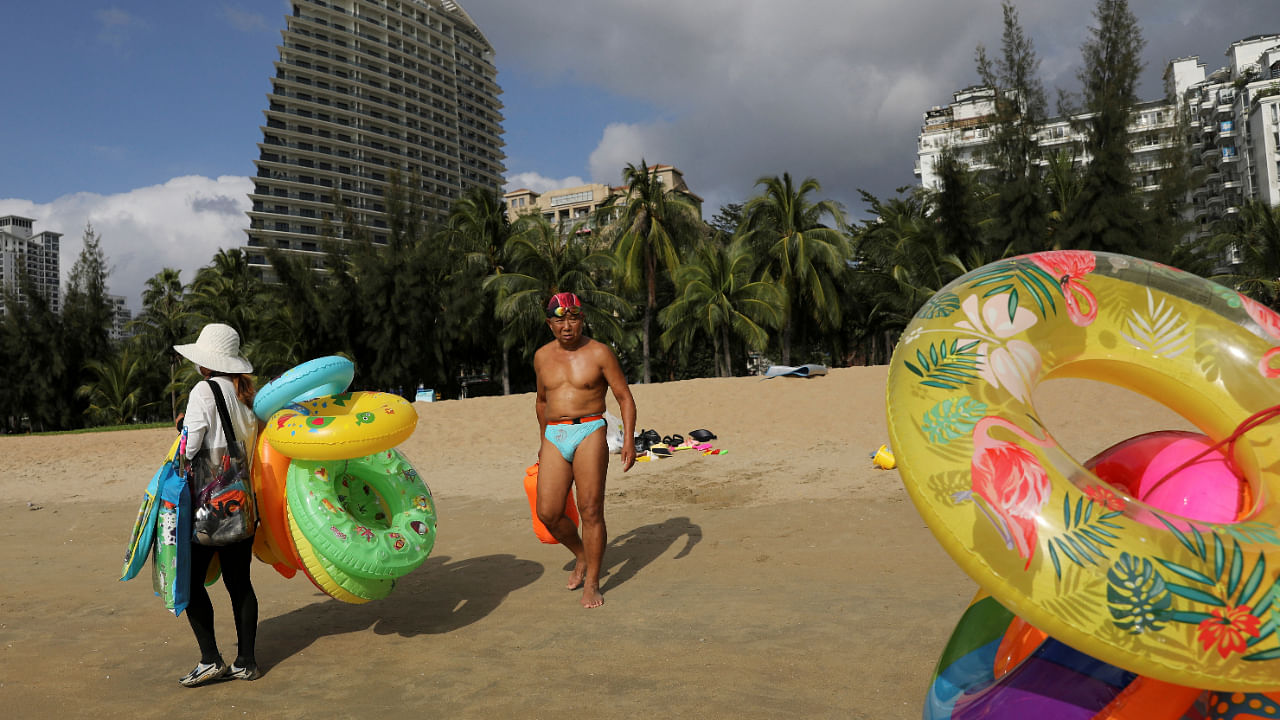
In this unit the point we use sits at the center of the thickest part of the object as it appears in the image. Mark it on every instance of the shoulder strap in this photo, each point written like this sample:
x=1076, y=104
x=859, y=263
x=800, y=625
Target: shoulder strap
x=232, y=446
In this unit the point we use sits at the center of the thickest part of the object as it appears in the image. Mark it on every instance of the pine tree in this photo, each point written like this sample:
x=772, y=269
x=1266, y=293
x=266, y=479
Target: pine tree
x=86, y=324
x=1020, y=214
x=1107, y=213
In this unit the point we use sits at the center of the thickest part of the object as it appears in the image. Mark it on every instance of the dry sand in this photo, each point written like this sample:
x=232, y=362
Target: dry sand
x=787, y=578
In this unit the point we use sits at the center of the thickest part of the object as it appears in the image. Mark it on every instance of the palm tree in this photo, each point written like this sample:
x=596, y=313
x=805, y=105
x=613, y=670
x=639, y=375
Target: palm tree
x=1062, y=183
x=805, y=254
x=539, y=261
x=114, y=391
x=478, y=222
x=1254, y=236
x=163, y=323
x=898, y=264
x=715, y=296
x=648, y=225
x=226, y=291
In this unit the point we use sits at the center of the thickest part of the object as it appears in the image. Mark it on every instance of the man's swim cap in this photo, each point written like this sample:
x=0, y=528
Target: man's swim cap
x=565, y=303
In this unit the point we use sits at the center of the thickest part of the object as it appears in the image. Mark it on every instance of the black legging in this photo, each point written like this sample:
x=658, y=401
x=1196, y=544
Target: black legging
x=236, y=559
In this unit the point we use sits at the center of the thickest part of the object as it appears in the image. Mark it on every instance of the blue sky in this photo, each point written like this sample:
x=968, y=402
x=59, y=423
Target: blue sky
x=142, y=116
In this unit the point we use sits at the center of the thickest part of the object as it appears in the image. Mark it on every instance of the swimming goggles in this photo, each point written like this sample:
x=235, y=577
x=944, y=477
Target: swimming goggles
x=562, y=311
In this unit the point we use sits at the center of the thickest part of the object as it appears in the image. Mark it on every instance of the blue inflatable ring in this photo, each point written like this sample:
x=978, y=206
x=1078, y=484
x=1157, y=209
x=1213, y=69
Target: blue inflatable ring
x=328, y=375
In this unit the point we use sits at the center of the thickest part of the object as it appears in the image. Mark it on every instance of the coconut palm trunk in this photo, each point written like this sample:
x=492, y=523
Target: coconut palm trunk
x=724, y=342
x=651, y=272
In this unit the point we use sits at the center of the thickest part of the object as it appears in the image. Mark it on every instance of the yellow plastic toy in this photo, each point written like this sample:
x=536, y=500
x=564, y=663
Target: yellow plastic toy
x=1186, y=602
x=884, y=459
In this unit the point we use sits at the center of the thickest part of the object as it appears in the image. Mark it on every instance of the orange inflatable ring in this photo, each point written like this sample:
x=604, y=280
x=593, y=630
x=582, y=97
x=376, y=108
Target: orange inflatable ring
x=531, y=489
x=273, y=542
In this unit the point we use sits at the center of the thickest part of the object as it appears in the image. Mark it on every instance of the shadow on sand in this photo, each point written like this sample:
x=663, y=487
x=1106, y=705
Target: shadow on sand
x=442, y=596
x=438, y=597
x=631, y=551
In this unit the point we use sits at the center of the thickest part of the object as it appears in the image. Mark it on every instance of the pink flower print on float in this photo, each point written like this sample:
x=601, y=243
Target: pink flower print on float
x=1070, y=268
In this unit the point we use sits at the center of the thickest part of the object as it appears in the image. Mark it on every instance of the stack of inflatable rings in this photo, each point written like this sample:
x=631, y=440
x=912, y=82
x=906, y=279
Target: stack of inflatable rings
x=1092, y=598
x=336, y=499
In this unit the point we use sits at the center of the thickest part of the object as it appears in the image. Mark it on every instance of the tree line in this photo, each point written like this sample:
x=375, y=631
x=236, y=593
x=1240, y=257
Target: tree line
x=783, y=275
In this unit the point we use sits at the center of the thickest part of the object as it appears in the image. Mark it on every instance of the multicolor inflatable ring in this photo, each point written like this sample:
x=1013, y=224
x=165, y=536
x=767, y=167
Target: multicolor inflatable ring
x=341, y=427
x=1192, y=603
x=371, y=517
x=312, y=379
x=330, y=580
x=997, y=667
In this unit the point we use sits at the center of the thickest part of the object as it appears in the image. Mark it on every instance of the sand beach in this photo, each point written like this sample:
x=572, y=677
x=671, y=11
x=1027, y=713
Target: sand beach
x=785, y=578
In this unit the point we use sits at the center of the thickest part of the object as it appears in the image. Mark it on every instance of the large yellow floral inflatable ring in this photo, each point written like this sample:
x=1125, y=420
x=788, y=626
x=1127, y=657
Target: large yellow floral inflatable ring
x=1187, y=602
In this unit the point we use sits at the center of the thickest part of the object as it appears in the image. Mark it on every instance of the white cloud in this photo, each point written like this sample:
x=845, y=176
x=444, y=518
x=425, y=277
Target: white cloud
x=180, y=224
x=539, y=183
x=831, y=89
x=244, y=20
x=116, y=28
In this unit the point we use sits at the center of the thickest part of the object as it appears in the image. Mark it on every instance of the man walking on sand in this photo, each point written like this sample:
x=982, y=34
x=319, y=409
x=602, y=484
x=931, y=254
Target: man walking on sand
x=573, y=372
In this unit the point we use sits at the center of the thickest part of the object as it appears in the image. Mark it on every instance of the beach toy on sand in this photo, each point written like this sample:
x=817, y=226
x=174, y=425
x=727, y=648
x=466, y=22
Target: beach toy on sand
x=883, y=458
x=340, y=427
x=329, y=375
x=1185, y=601
x=531, y=489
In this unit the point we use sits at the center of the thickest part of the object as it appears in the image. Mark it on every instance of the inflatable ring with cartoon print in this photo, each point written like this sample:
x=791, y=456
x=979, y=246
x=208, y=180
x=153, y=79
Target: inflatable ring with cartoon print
x=341, y=427
x=1184, y=601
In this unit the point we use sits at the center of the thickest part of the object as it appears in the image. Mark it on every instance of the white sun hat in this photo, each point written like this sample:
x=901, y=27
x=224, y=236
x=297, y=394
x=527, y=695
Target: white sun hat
x=218, y=349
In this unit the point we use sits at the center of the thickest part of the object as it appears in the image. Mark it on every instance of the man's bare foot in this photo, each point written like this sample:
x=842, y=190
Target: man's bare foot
x=591, y=598
x=575, y=577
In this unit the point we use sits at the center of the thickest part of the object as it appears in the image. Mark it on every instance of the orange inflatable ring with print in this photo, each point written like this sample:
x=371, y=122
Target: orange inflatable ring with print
x=1184, y=601
x=341, y=427
x=273, y=542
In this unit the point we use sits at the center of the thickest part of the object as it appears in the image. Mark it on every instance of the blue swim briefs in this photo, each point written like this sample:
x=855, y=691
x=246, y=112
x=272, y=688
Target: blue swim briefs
x=568, y=436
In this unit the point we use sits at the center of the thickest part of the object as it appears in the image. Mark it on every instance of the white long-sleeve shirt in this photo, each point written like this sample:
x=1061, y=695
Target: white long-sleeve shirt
x=204, y=427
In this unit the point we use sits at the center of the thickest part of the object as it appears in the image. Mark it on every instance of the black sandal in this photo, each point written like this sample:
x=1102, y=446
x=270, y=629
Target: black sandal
x=647, y=439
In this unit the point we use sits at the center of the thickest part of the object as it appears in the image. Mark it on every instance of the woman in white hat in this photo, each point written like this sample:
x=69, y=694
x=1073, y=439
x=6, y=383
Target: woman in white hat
x=216, y=352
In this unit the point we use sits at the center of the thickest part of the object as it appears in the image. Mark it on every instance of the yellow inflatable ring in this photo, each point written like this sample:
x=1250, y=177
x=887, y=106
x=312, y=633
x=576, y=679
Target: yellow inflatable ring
x=340, y=427
x=332, y=581
x=1186, y=602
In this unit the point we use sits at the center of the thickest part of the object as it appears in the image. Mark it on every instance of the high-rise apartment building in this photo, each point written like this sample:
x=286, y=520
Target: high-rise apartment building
x=965, y=127
x=120, y=318
x=1232, y=124
x=1233, y=115
x=367, y=92
x=22, y=249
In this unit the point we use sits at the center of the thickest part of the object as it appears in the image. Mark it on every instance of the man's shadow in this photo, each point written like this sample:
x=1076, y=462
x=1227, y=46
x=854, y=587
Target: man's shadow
x=631, y=551
x=438, y=597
